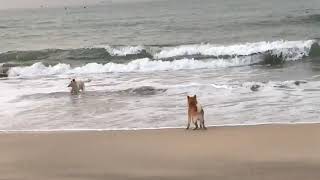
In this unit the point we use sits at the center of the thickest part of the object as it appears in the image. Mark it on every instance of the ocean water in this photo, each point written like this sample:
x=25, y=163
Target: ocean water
x=248, y=62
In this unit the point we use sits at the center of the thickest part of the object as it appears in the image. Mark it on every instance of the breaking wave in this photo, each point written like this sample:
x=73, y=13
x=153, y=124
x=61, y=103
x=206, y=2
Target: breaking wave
x=123, y=51
x=139, y=65
x=142, y=59
x=293, y=49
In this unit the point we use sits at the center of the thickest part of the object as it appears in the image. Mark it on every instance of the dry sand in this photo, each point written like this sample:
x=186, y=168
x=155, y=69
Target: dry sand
x=265, y=152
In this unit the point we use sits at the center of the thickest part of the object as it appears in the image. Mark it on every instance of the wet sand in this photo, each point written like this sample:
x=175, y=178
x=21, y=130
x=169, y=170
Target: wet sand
x=268, y=152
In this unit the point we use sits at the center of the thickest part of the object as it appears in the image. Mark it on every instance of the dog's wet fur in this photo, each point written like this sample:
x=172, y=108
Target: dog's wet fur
x=195, y=113
x=76, y=86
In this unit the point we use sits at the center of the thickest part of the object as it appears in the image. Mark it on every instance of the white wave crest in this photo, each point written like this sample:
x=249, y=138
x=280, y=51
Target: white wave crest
x=123, y=51
x=38, y=69
x=291, y=49
x=139, y=65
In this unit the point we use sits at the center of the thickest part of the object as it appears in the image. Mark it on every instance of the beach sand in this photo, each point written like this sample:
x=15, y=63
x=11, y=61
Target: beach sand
x=263, y=152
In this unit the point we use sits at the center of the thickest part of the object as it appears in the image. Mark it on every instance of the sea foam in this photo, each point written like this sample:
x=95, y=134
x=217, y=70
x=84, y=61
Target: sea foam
x=139, y=65
x=287, y=48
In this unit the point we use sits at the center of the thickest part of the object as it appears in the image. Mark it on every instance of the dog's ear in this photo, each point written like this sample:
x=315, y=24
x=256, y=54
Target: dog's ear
x=195, y=96
x=188, y=97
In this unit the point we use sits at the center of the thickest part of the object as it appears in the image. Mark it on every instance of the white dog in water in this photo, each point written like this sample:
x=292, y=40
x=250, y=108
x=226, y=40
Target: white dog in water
x=76, y=86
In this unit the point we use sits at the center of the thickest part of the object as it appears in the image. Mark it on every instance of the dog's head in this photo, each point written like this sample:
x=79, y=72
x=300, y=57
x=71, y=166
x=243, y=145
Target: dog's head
x=192, y=100
x=72, y=83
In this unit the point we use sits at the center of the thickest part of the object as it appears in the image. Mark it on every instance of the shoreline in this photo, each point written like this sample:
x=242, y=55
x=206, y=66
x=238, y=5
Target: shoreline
x=152, y=129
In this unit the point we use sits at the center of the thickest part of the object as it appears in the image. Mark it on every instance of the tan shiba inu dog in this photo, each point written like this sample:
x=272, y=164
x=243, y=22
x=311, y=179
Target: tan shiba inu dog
x=76, y=86
x=195, y=113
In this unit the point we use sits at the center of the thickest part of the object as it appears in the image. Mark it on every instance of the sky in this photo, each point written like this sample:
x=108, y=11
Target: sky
x=8, y=4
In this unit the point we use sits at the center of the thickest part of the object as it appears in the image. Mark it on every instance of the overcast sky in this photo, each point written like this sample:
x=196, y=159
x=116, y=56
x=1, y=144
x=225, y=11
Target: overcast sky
x=8, y=4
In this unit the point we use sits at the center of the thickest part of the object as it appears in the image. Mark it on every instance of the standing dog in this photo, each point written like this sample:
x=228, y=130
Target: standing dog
x=76, y=86
x=195, y=113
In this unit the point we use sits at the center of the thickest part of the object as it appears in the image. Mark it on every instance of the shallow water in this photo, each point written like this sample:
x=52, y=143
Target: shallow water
x=248, y=62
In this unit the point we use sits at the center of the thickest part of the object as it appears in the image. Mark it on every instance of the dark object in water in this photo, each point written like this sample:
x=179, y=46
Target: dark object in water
x=314, y=50
x=273, y=59
x=255, y=87
x=3, y=75
x=144, y=90
x=299, y=82
x=4, y=69
x=282, y=86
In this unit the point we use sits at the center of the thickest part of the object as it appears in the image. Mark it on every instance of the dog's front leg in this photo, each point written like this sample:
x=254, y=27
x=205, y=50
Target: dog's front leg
x=189, y=121
x=202, y=120
x=196, y=125
x=203, y=126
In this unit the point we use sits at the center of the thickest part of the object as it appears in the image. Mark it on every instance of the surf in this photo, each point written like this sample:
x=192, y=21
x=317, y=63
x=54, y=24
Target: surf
x=152, y=59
